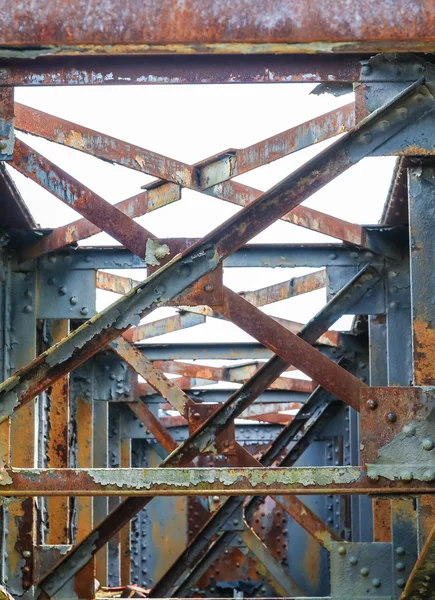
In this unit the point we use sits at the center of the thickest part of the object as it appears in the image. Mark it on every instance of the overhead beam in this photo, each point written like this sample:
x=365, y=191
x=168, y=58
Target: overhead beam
x=249, y=26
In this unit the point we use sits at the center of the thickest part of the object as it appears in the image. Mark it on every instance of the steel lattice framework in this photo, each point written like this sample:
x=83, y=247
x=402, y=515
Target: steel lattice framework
x=333, y=501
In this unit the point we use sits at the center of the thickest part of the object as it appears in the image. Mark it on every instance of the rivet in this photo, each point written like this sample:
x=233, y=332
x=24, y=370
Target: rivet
x=159, y=290
x=400, y=551
x=409, y=430
x=236, y=522
x=366, y=70
x=353, y=560
x=400, y=566
x=28, y=294
x=342, y=550
x=384, y=125
x=88, y=258
x=27, y=554
x=376, y=583
x=428, y=475
x=26, y=569
x=391, y=417
x=332, y=256
x=428, y=444
x=184, y=270
x=51, y=281
x=354, y=254
x=394, y=305
x=364, y=572
x=400, y=583
x=209, y=253
x=366, y=138
x=62, y=290
x=73, y=300
x=215, y=498
x=51, y=259
x=84, y=311
x=112, y=376
x=196, y=416
x=372, y=404
x=402, y=112
x=419, y=68
x=27, y=309
x=406, y=476
x=208, y=287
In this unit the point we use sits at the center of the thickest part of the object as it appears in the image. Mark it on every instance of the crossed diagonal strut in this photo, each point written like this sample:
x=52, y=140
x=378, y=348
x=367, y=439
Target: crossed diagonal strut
x=182, y=271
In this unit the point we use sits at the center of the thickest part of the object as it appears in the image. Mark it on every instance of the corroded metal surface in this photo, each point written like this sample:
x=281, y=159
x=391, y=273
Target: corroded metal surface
x=152, y=26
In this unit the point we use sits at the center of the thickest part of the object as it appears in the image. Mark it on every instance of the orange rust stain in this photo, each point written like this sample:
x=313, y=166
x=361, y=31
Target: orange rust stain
x=75, y=140
x=424, y=354
x=382, y=525
x=312, y=561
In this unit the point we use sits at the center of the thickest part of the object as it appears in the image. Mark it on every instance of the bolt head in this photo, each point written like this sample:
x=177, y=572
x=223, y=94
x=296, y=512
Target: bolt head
x=84, y=311
x=62, y=290
x=391, y=417
x=372, y=404
x=73, y=300
x=428, y=444
x=409, y=430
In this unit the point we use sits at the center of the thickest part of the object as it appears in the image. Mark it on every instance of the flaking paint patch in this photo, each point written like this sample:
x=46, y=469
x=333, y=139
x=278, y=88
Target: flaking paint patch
x=155, y=252
x=180, y=478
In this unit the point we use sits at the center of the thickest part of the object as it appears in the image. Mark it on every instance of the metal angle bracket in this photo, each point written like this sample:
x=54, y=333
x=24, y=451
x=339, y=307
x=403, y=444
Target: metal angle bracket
x=398, y=433
x=382, y=78
x=65, y=293
x=361, y=570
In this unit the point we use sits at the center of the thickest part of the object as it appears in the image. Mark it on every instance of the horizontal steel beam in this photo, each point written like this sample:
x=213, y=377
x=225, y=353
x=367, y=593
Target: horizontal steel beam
x=200, y=481
x=250, y=256
x=178, y=70
x=246, y=26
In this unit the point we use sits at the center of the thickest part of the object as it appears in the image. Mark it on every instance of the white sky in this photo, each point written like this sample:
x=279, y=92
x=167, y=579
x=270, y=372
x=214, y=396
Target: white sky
x=190, y=123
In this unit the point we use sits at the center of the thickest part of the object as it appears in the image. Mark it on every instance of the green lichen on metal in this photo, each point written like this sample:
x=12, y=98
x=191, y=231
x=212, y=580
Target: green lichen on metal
x=141, y=479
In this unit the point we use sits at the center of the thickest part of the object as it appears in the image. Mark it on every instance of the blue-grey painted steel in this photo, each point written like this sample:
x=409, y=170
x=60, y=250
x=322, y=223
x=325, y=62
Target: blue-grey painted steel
x=404, y=541
x=222, y=394
x=219, y=351
x=373, y=302
x=361, y=569
x=64, y=293
x=251, y=255
x=114, y=461
x=399, y=337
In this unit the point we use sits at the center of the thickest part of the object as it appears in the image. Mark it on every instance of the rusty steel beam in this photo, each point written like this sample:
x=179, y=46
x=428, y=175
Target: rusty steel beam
x=227, y=238
x=162, y=326
x=200, y=481
x=73, y=193
x=185, y=383
x=291, y=348
x=58, y=444
x=287, y=289
x=231, y=163
x=180, y=69
x=106, y=147
x=136, y=206
x=210, y=374
x=114, y=283
x=250, y=26
x=205, y=434
x=341, y=119
x=156, y=379
x=271, y=570
x=153, y=424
